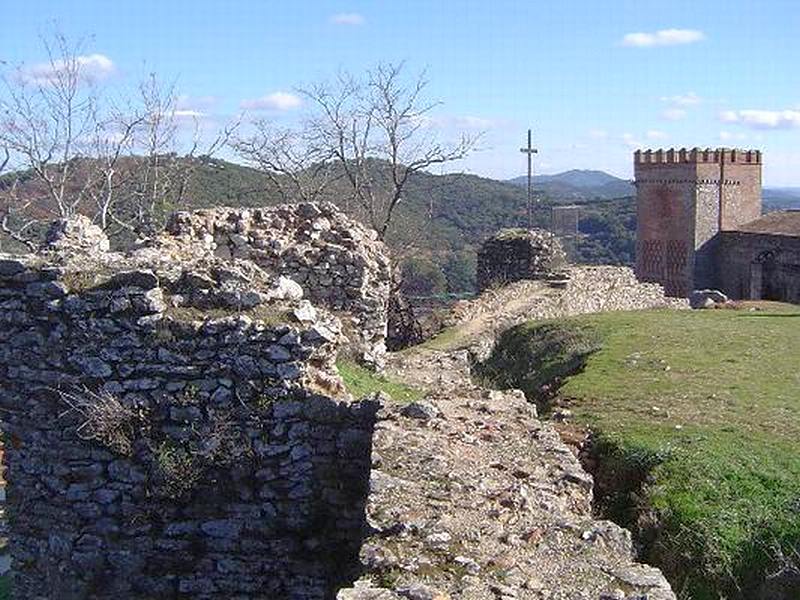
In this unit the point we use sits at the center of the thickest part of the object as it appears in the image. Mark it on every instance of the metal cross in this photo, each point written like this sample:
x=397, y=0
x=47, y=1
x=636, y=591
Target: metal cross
x=530, y=151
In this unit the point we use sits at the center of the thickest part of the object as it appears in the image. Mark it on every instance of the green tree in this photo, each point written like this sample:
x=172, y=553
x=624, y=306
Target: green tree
x=459, y=271
x=421, y=277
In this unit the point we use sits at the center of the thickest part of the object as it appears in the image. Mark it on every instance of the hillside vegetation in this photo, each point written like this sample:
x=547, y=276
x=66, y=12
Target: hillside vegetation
x=440, y=222
x=580, y=184
x=695, y=417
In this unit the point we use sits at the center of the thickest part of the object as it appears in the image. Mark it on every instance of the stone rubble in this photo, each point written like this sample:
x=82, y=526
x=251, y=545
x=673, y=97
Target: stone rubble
x=474, y=498
x=339, y=263
x=580, y=290
x=174, y=427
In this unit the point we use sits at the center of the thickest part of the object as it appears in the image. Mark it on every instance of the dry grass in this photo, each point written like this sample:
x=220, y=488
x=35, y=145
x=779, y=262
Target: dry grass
x=106, y=420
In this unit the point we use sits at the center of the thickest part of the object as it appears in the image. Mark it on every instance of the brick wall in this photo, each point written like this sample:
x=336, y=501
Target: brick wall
x=665, y=225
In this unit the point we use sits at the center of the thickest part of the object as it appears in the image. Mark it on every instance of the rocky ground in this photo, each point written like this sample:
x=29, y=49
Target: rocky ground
x=474, y=497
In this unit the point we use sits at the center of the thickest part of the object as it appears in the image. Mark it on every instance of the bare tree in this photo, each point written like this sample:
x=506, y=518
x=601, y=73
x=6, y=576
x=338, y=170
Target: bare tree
x=13, y=222
x=295, y=165
x=160, y=177
x=47, y=114
x=378, y=129
x=363, y=138
x=74, y=148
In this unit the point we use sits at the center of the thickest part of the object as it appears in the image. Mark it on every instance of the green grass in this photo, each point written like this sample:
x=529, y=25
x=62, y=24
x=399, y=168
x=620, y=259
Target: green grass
x=360, y=382
x=5, y=587
x=707, y=404
x=447, y=339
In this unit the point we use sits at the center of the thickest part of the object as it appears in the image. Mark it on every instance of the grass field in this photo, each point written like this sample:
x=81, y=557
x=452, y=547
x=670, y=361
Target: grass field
x=360, y=381
x=705, y=405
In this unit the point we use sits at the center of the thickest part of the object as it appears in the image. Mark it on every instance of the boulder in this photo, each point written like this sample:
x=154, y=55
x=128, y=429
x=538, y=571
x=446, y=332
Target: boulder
x=285, y=289
x=75, y=235
x=422, y=409
x=707, y=298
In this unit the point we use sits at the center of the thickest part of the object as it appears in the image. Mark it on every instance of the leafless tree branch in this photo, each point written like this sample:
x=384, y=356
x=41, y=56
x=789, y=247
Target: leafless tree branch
x=375, y=130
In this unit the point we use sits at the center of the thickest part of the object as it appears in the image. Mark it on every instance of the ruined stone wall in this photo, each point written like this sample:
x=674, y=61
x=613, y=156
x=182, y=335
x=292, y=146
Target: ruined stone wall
x=339, y=263
x=518, y=254
x=174, y=430
x=760, y=266
x=582, y=290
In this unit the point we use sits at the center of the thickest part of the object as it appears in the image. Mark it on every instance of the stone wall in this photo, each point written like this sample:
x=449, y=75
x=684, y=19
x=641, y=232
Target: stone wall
x=174, y=429
x=582, y=290
x=518, y=254
x=339, y=263
x=760, y=266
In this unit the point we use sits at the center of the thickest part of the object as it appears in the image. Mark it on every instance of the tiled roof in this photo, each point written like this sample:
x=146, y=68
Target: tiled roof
x=776, y=223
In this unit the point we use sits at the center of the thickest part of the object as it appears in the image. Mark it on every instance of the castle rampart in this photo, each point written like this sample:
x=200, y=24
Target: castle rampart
x=684, y=199
x=697, y=155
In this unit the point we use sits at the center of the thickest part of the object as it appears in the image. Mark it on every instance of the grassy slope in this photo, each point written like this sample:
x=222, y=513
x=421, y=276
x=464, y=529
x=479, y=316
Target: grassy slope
x=361, y=382
x=711, y=399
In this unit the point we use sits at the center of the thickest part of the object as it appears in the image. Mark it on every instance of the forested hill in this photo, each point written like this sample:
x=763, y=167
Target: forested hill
x=440, y=220
x=580, y=184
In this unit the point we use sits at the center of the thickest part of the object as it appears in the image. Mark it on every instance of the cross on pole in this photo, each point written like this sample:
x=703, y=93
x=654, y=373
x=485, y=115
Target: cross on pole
x=530, y=151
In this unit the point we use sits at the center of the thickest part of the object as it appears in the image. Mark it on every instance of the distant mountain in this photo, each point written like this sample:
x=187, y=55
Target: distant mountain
x=781, y=199
x=579, y=185
x=581, y=178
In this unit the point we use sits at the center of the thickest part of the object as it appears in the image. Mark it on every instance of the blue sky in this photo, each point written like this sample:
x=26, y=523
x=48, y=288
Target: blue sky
x=593, y=79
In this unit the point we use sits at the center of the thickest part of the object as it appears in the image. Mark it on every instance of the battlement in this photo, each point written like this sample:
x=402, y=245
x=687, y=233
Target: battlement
x=697, y=155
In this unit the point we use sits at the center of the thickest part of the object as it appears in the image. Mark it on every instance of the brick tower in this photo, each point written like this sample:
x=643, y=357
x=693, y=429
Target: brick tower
x=683, y=199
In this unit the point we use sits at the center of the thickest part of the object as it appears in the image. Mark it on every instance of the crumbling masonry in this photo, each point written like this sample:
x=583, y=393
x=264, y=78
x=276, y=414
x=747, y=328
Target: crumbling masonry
x=174, y=423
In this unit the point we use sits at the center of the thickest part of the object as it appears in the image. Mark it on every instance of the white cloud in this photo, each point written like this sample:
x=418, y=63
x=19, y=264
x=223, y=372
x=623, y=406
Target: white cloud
x=690, y=99
x=598, y=134
x=473, y=122
x=194, y=107
x=91, y=68
x=674, y=114
x=278, y=101
x=199, y=103
x=726, y=136
x=664, y=37
x=185, y=113
x=655, y=134
x=458, y=122
x=763, y=119
x=352, y=19
x=630, y=141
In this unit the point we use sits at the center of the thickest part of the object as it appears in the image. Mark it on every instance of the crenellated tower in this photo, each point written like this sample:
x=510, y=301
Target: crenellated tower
x=683, y=199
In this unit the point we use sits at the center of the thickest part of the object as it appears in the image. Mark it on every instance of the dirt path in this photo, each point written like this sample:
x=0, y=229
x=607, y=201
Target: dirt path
x=473, y=497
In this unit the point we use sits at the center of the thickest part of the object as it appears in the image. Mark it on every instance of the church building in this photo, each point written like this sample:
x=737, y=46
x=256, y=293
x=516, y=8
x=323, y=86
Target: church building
x=700, y=225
